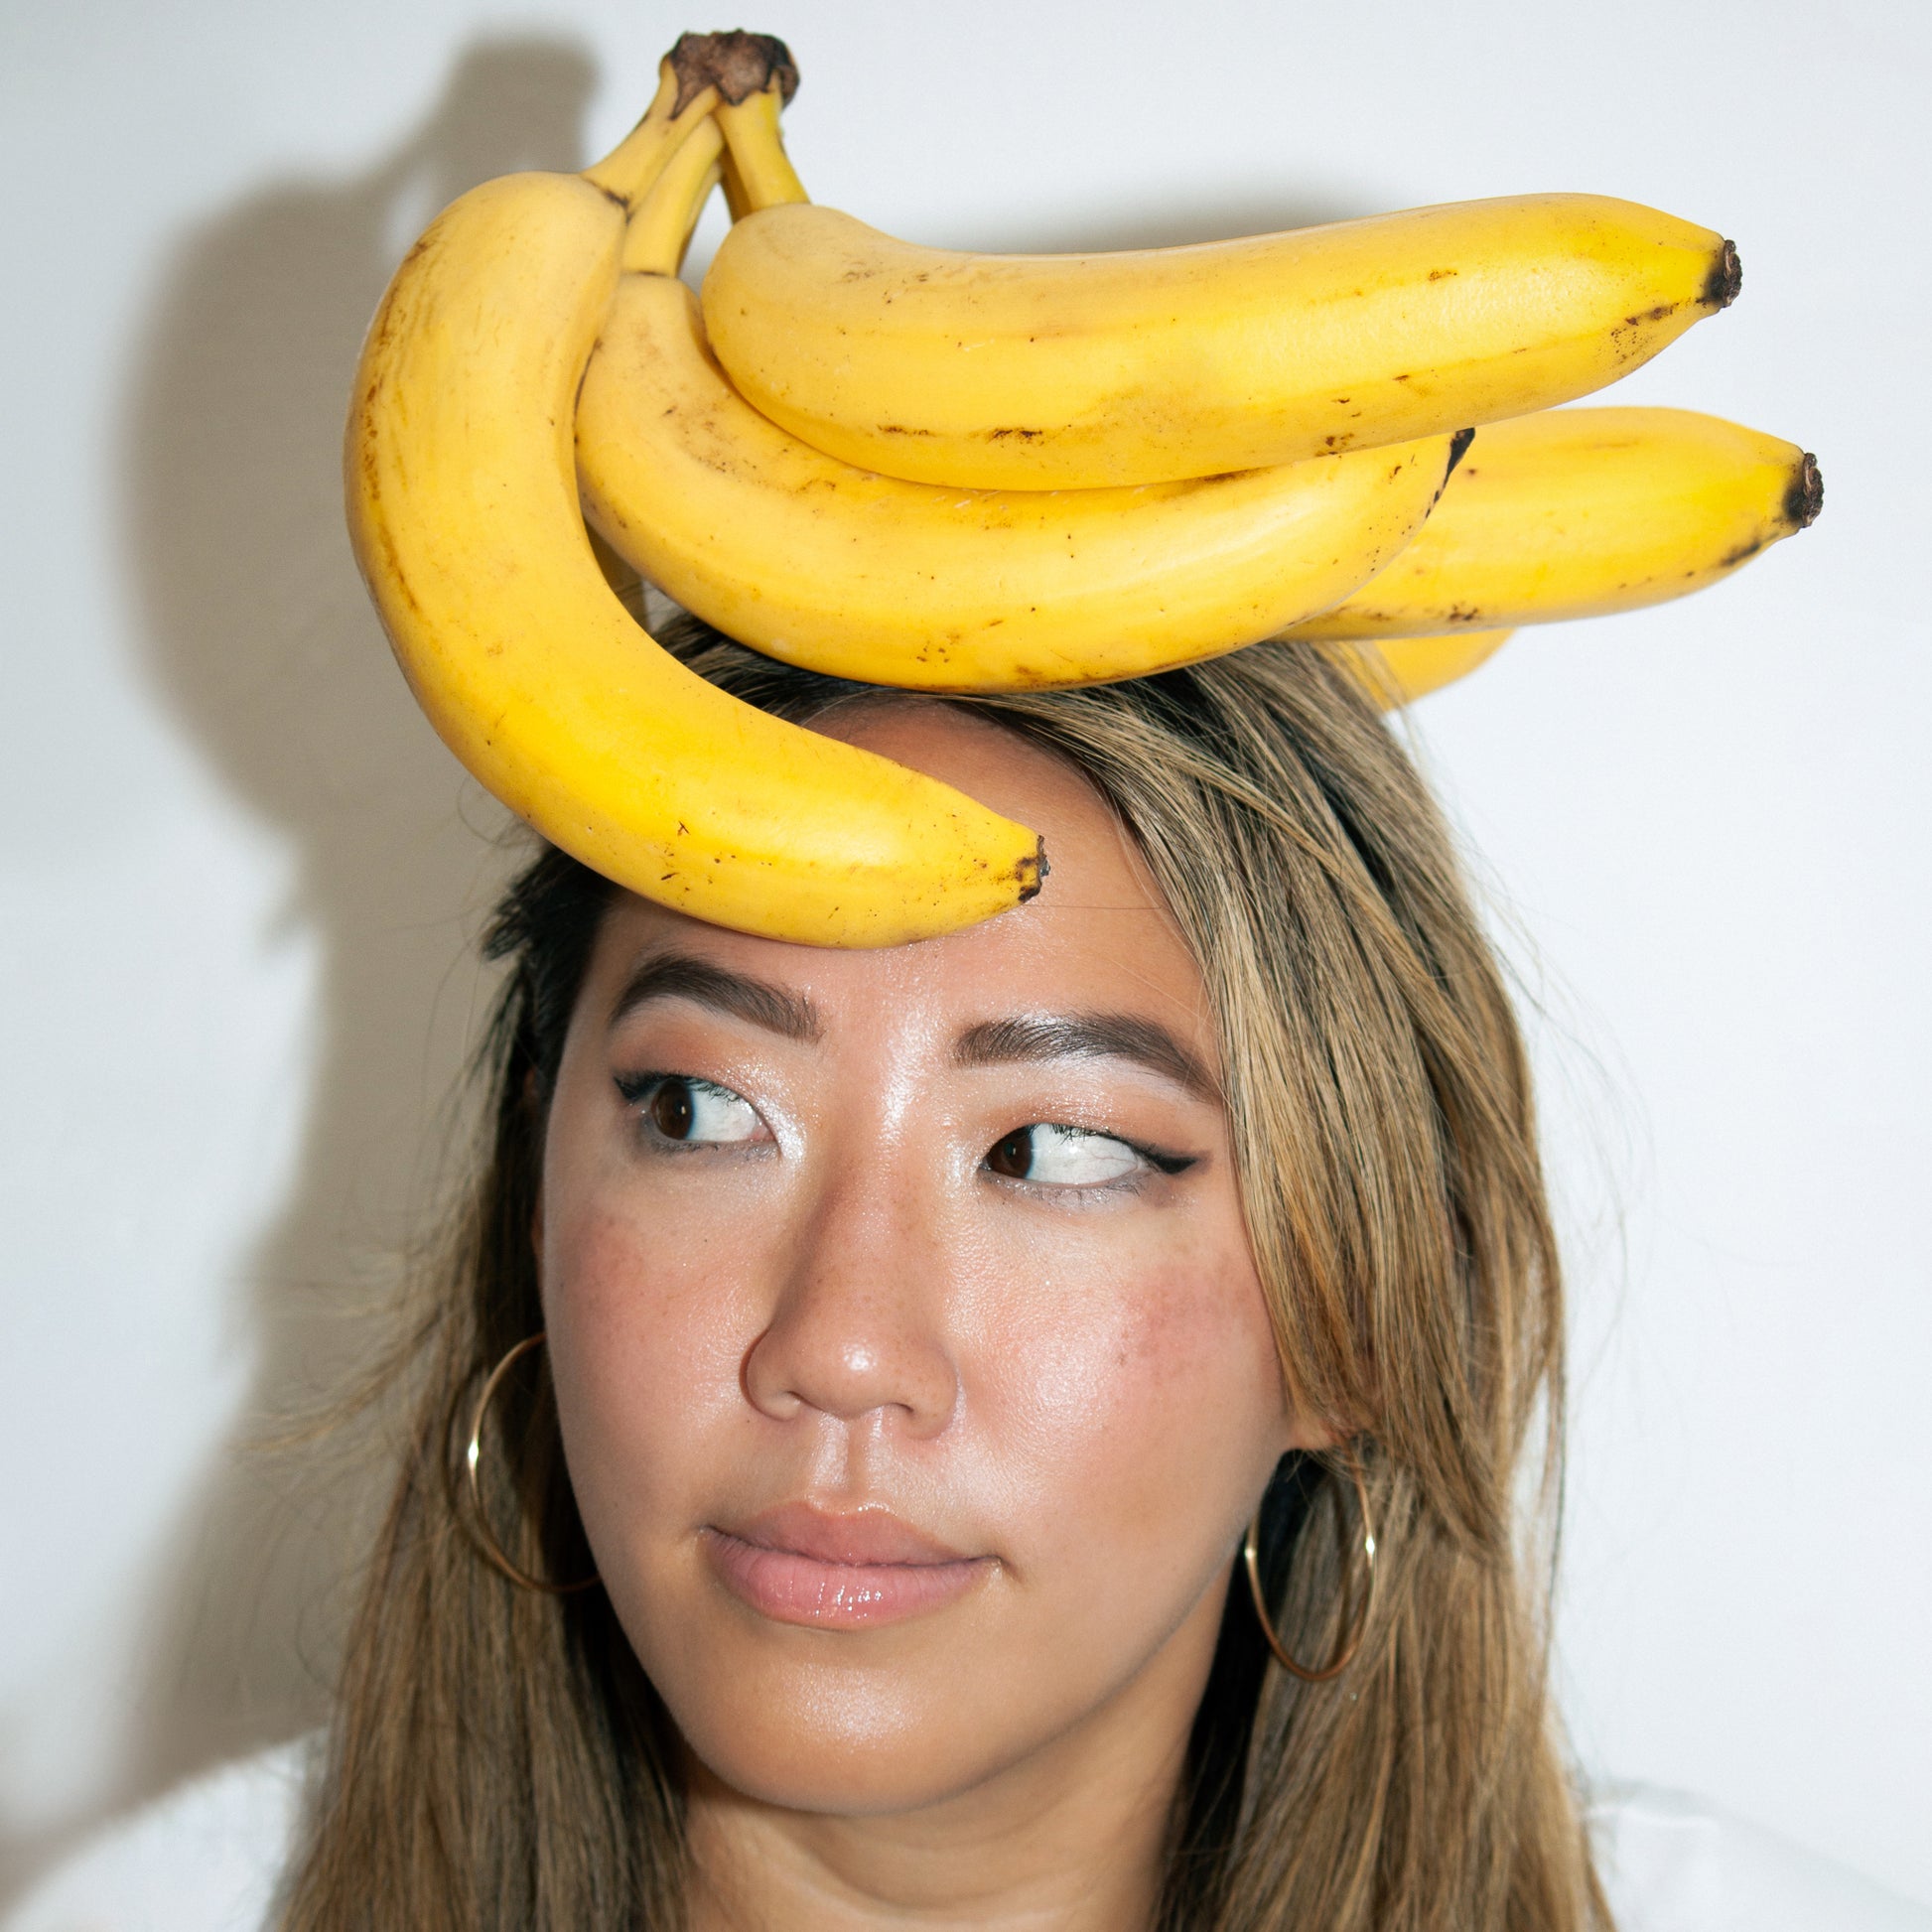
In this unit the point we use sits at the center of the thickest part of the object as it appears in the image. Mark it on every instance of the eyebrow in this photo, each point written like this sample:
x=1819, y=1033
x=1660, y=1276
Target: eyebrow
x=677, y=976
x=1086, y=1037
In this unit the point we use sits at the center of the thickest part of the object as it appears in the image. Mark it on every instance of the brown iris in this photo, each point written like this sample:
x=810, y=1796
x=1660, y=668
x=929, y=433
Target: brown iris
x=670, y=1110
x=1012, y=1157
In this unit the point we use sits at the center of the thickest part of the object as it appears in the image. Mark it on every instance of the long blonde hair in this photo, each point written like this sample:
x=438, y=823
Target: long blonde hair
x=499, y=1760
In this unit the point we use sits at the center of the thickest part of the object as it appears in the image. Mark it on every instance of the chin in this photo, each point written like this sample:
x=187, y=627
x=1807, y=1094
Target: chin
x=849, y=1736
x=848, y=1722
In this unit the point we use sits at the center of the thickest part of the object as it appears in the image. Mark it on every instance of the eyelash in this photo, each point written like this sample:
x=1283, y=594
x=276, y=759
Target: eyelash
x=1156, y=1158
x=1168, y=1164
x=1061, y=1195
x=639, y=1089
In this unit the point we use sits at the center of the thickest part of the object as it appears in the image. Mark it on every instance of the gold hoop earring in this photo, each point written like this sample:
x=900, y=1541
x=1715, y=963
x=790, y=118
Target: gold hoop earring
x=478, y=1523
x=1345, y=1653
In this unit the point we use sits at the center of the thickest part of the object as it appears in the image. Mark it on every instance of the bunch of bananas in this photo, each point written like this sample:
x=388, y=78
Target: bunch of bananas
x=958, y=473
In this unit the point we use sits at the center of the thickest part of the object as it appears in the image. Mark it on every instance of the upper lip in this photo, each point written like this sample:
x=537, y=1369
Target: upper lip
x=855, y=1537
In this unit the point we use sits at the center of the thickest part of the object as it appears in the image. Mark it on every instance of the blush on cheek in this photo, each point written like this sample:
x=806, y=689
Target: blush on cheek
x=1194, y=1342
x=611, y=1280
x=644, y=1352
x=1158, y=1393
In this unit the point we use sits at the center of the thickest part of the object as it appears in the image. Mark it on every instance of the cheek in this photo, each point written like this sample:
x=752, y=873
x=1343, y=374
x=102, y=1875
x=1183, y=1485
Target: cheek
x=1148, y=1399
x=643, y=1277
x=645, y=1352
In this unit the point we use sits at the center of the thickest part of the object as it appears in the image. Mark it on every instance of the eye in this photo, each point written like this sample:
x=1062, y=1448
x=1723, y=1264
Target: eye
x=693, y=1112
x=1063, y=1157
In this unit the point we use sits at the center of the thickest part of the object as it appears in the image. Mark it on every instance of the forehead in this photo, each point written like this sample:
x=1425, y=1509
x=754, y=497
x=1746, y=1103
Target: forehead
x=1098, y=936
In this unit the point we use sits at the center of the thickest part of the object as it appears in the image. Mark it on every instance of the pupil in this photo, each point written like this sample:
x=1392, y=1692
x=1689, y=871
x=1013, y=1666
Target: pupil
x=1014, y=1156
x=670, y=1110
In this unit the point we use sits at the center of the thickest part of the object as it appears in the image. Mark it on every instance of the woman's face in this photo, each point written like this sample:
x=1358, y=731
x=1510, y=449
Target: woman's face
x=914, y=1376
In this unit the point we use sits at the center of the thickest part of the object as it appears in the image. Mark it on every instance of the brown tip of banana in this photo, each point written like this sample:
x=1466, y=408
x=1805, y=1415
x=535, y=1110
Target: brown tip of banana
x=1458, y=448
x=1032, y=872
x=1726, y=279
x=1806, y=496
x=738, y=65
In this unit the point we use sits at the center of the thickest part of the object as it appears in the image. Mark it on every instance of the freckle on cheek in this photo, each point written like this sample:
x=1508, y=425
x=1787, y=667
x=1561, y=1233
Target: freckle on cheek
x=651, y=1325
x=597, y=1264
x=1182, y=1319
x=1190, y=1343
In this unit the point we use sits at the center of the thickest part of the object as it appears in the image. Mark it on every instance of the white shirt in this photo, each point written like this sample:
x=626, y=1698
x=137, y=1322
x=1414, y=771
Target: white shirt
x=207, y=1857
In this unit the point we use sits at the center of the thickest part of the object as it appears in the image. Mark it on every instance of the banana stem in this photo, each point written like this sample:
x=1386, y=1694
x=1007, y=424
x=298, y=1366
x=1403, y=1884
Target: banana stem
x=660, y=230
x=629, y=169
x=738, y=204
x=765, y=176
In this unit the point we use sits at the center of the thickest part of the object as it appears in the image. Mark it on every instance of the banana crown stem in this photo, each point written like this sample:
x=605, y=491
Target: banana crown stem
x=737, y=63
x=701, y=72
x=629, y=170
x=761, y=174
x=660, y=229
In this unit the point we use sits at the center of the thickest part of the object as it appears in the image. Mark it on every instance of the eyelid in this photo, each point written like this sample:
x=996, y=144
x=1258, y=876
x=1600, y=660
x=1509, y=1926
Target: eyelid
x=636, y=1089
x=1157, y=1157
x=634, y=1086
x=1156, y=1160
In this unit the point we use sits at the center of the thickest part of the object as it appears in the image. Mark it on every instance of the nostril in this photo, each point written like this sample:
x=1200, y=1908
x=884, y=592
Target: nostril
x=847, y=1356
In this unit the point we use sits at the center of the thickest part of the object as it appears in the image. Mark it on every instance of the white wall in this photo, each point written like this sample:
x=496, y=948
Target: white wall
x=240, y=877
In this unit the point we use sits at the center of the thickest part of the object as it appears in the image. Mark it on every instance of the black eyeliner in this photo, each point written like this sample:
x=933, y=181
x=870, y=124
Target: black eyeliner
x=1168, y=1164
x=634, y=1086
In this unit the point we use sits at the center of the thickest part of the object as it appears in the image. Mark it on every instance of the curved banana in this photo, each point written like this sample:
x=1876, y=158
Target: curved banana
x=1399, y=670
x=1070, y=371
x=866, y=576
x=462, y=509
x=1578, y=513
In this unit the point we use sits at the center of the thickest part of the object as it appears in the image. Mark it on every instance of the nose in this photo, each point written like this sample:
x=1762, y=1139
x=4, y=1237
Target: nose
x=859, y=1326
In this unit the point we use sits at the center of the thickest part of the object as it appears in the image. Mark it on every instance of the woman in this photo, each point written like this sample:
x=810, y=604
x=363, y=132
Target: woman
x=926, y=1329
x=1026, y=1427
x=926, y=1335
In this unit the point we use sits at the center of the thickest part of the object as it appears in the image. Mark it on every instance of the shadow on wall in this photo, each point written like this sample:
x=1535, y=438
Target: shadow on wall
x=262, y=643
x=260, y=640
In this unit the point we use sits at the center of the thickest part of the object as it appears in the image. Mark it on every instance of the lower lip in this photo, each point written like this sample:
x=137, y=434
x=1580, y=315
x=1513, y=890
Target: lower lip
x=790, y=1588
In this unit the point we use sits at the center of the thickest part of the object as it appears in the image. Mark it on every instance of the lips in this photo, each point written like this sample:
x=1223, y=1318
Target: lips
x=804, y=1565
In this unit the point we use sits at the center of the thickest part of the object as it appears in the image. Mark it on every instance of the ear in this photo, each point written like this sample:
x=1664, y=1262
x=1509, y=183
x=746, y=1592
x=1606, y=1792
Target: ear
x=1306, y=1431
x=1303, y=1426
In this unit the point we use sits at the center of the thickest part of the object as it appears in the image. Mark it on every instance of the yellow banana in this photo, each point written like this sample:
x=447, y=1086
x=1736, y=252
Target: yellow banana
x=462, y=509
x=1576, y=512
x=1070, y=371
x=1399, y=670
x=866, y=576
x=758, y=171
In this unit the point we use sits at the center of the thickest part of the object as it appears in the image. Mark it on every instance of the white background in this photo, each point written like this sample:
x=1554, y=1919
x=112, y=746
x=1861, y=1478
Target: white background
x=240, y=878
